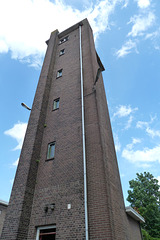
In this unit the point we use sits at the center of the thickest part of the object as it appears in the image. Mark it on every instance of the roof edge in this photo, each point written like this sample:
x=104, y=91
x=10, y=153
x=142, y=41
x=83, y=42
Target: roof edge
x=3, y=202
x=72, y=28
x=135, y=215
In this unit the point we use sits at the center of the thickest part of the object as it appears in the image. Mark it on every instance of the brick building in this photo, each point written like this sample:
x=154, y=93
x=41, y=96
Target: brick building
x=67, y=184
x=3, y=209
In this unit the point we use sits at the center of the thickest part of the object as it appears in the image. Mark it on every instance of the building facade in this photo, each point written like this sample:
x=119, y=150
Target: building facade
x=3, y=209
x=67, y=184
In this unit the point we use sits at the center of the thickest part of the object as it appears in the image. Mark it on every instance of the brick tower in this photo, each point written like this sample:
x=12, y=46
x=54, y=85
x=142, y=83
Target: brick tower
x=67, y=184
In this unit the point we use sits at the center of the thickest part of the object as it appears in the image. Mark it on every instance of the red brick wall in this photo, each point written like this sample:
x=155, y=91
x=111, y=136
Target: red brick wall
x=60, y=181
x=3, y=209
x=20, y=205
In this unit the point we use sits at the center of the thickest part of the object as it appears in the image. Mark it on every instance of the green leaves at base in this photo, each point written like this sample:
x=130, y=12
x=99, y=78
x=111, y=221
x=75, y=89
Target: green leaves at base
x=145, y=199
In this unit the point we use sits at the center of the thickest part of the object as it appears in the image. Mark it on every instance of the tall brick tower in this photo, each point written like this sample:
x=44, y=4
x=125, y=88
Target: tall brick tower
x=67, y=184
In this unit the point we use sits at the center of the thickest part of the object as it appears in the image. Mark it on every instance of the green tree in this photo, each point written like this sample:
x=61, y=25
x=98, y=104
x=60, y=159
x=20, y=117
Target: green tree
x=145, y=198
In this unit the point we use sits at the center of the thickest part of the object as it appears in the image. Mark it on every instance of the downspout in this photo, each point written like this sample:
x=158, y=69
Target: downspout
x=83, y=139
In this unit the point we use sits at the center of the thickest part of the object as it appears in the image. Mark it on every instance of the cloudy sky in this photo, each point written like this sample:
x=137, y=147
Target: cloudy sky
x=127, y=36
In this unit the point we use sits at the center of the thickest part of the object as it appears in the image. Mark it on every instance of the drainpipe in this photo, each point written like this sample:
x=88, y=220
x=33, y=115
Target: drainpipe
x=83, y=139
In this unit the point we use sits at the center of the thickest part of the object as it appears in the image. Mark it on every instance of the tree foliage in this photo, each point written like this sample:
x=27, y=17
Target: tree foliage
x=145, y=198
x=146, y=236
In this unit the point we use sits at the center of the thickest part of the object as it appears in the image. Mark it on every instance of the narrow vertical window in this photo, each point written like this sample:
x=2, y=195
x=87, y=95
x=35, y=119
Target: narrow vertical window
x=51, y=150
x=56, y=104
x=62, y=52
x=46, y=233
x=59, y=73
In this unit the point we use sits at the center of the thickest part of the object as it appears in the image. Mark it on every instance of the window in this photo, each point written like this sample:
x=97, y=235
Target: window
x=46, y=233
x=51, y=150
x=56, y=104
x=62, y=52
x=63, y=40
x=59, y=73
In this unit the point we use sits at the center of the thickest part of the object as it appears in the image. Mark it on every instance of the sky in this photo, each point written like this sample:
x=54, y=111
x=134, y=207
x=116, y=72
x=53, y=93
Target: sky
x=127, y=38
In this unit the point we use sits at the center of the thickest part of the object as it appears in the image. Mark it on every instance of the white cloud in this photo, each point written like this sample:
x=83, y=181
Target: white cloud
x=141, y=124
x=142, y=156
x=144, y=165
x=3, y=46
x=146, y=125
x=122, y=175
x=16, y=162
x=158, y=178
x=117, y=143
x=12, y=181
x=153, y=133
x=143, y=3
x=125, y=4
x=155, y=38
x=128, y=125
x=25, y=25
x=153, y=35
x=18, y=133
x=134, y=141
x=127, y=48
x=123, y=111
x=141, y=24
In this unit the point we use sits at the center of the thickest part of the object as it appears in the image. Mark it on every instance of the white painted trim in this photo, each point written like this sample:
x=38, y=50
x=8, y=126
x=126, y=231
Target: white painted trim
x=42, y=228
x=4, y=202
x=83, y=136
x=135, y=215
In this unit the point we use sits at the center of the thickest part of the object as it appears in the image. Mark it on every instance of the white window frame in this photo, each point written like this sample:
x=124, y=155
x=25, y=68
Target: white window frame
x=42, y=228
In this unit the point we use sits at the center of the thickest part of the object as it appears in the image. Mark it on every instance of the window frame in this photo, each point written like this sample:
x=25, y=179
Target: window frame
x=63, y=40
x=62, y=52
x=43, y=228
x=49, y=147
x=57, y=100
x=59, y=73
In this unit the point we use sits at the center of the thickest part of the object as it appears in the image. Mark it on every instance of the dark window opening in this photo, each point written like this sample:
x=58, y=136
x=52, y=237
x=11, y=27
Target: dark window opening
x=51, y=150
x=47, y=234
x=59, y=73
x=62, y=52
x=56, y=104
x=63, y=40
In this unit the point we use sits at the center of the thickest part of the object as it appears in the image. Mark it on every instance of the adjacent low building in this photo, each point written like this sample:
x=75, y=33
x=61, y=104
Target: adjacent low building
x=3, y=209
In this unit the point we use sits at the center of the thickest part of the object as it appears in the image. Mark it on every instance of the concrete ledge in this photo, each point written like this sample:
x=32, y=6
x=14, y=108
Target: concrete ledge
x=3, y=203
x=132, y=213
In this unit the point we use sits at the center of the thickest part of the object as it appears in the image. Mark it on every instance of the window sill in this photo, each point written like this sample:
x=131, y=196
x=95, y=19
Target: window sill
x=58, y=77
x=50, y=159
x=55, y=109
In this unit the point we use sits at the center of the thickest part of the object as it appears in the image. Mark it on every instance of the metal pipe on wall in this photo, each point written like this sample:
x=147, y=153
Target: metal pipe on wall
x=83, y=137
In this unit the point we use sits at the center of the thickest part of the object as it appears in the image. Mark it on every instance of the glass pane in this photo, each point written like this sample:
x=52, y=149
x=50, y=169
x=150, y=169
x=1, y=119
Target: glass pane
x=57, y=103
x=51, y=148
x=49, y=237
x=54, y=105
x=59, y=73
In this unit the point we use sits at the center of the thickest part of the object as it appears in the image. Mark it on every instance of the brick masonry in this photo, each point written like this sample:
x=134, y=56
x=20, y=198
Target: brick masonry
x=3, y=209
x=59, y=181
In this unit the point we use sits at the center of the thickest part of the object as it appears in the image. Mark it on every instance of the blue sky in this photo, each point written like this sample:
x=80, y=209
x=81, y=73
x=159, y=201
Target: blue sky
x=127, y=36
